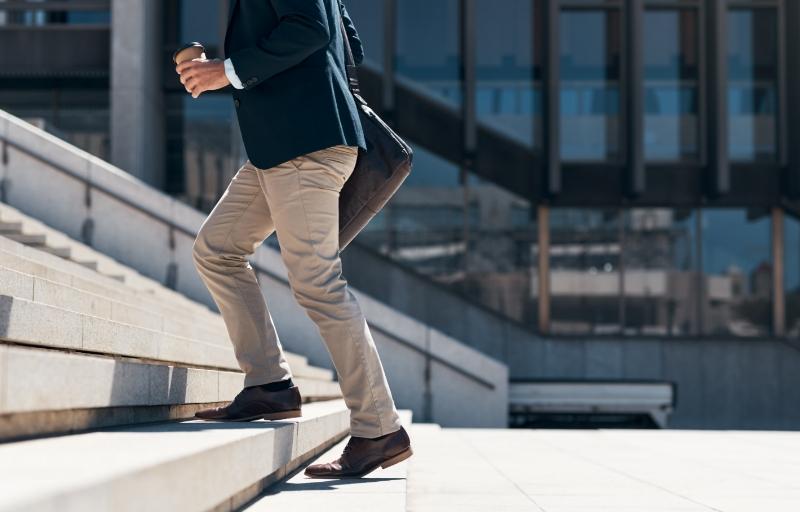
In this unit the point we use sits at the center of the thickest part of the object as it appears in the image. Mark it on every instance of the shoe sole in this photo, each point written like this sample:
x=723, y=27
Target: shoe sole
x=283, y=415
x=400, y=457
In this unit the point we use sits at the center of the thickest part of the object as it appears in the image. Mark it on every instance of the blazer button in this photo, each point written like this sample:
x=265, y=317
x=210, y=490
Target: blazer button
x=236, y=102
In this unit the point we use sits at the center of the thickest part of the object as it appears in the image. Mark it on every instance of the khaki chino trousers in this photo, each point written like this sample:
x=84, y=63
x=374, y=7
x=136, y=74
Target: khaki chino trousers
x=299, y=200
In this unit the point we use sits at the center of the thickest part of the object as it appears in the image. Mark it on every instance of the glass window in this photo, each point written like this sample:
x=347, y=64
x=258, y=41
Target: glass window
x=508, y=89
x=26, y=13
x=671, y=71
x=660, y=272
x=79, y=116
x=426, y=211
x=204, y=148
x=208, y=28
x=367, y=16
x=737, y=272
x=791, y=276
x=590, y=74
x=752, y=87
x=428, y=46
x=585, y=280
x=479, y=242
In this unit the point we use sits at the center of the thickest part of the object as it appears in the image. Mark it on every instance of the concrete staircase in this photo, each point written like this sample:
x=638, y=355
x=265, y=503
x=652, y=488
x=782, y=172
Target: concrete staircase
x=90, y=348
x=100, y=371
x=140, y=350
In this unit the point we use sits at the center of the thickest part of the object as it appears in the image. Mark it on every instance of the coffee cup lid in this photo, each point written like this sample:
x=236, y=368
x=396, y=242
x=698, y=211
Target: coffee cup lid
x=187, y=45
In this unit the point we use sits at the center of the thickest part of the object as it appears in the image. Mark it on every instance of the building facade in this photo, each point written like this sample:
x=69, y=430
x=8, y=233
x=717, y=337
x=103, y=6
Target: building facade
x=584, y=167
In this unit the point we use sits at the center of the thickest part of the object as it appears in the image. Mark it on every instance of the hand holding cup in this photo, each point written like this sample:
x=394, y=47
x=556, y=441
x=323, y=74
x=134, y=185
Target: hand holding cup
x=198, y=74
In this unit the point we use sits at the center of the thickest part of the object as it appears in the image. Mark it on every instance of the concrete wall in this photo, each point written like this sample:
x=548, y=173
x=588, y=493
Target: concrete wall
x=730, y=383
x=432, y=373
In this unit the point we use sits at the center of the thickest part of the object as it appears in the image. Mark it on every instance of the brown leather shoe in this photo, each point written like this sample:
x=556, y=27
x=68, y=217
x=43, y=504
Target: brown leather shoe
x=363, y=455
x=253, y=403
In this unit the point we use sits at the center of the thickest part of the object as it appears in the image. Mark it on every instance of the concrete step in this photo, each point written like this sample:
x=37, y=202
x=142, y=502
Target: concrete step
x=45, y=291
x=383, y=489
x=10, y=227
x=124, y=306
x=35, y=233
x=63, y=296
x=187, y=466
x=46, y=391
x=128, y=306
x=31, y=323
x=85, y=272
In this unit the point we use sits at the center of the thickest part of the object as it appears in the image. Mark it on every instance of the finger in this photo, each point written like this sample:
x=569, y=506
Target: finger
x=186, y=76
x=185, y=65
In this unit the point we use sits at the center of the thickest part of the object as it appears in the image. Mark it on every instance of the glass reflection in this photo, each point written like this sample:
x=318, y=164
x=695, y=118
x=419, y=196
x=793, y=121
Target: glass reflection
x=508, y=91
x=478, y=241
x=27, y=15
x=585, y=281
x=205, y=28
x=752, y=89
x=203, y=148
x=590, y=74
x=671, y=66
x=737, y=268
x=660, y=278
x=791, y=277
x=367, y=16
x=422, y=225
x=428, y=46
x=79, y=116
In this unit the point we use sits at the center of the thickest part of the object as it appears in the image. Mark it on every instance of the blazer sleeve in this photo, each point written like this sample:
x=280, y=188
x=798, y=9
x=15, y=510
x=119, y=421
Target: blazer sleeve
x=352, y=35
x=302, y=29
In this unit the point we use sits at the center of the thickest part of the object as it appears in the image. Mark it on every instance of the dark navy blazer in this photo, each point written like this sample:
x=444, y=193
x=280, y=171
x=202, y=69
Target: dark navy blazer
x=290, y=59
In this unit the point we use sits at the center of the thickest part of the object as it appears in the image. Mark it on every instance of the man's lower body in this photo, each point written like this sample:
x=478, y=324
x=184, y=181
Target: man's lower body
x=299, y=200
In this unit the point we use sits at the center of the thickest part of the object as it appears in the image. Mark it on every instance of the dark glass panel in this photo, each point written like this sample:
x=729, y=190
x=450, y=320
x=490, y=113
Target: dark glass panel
x=590, y=88
x=671, y=70
x=753, y=87
x=737, y=268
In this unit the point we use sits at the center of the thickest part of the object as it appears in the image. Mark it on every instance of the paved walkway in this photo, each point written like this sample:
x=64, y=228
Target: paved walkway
x=603, y=470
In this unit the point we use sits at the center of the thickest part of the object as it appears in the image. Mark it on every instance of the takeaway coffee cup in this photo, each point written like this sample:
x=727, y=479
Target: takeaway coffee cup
x=189, y=51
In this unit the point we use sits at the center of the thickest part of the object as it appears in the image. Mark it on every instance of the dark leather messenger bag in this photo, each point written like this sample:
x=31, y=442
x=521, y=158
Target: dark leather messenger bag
x=379, y=171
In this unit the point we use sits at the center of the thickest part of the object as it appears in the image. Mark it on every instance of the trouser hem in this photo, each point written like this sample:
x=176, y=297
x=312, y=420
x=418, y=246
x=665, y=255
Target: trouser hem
x=258, y=379
x=375, y=432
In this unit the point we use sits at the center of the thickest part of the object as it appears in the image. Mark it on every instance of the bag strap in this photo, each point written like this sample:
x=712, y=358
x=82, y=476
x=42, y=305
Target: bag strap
x=350, y=62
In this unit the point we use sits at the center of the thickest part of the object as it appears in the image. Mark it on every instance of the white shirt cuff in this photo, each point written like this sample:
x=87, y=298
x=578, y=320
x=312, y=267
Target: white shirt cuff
x=231, y=74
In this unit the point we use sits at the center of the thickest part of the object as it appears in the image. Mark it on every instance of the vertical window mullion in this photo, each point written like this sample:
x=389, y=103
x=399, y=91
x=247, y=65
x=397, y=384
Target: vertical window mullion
x=718, y=168
x=634, y=127
x=551, y=102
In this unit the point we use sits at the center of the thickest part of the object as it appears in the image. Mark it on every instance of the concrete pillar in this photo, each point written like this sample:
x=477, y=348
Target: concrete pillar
x=778, y=297
x=543, y=227
x=137, y=102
